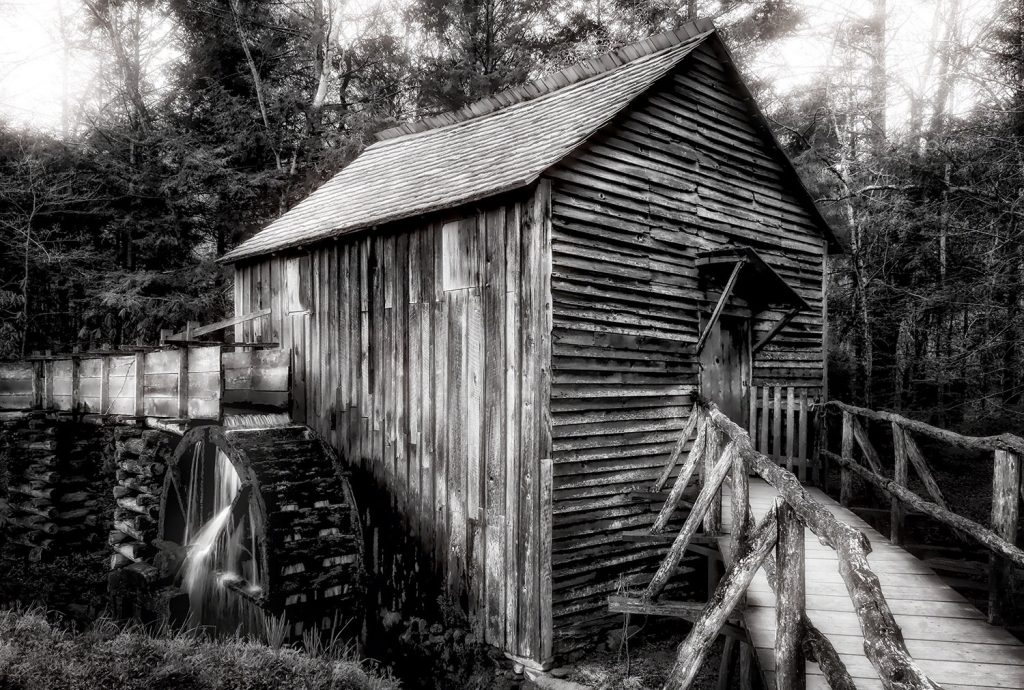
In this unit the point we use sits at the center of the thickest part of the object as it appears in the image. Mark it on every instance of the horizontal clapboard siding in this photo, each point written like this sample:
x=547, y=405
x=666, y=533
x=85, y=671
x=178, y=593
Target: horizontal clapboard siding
x=441, y=395
x=683, y=171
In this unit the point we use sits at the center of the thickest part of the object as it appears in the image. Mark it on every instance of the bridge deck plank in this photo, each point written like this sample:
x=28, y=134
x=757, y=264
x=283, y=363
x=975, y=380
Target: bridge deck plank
x=949, y=638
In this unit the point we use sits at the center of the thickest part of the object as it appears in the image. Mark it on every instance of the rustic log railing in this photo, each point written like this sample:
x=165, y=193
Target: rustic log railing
x=1006, y=449
x=775, y=544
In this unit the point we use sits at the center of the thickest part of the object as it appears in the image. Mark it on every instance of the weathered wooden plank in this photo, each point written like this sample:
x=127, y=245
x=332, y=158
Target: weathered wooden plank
x=545, y=623
x=752, y=412
x=428, y=450
x=543, y=270
x=802, y=436
x=494, y=419
x=400, y=318
x=765, y=414
x=140, y=386
x=777, y=422
x=237, y=292
x=513, y=419
x=442, y=457
x=475, y=473
x=528, y=522
x=414, y=413
x=791, y=431
x=457, y=445
x=389, y=348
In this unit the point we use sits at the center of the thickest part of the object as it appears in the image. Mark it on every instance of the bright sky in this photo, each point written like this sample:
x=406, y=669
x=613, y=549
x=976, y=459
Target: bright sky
x=33, y=65
x=35, y=69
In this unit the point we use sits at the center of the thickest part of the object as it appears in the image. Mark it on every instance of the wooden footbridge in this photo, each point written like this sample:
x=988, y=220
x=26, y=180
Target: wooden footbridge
x=812, y=595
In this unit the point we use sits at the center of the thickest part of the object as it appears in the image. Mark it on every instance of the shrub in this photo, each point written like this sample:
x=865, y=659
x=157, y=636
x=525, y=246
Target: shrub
x=35, y=654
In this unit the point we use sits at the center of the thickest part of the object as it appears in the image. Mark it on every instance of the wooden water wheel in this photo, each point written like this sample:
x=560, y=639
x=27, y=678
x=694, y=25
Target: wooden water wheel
x=278, y=517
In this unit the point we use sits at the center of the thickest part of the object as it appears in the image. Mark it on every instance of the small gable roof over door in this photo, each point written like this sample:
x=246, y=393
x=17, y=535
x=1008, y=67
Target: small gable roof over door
x=758, y=283
x=496, y=145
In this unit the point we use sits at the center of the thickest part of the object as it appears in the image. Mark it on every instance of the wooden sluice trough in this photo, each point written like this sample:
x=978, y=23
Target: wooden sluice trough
x=196, y=382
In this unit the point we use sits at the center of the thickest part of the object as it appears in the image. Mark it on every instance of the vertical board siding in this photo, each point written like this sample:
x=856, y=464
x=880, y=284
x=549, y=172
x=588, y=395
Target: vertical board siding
x=681, y=172
x=441, y=396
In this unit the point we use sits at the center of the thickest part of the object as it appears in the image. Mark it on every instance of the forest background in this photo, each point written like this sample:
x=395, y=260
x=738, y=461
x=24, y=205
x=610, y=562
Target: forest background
x=203, y=120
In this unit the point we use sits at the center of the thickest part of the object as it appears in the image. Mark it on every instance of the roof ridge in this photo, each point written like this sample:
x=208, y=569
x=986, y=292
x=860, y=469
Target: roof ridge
x=527, y=102
x=556, y=80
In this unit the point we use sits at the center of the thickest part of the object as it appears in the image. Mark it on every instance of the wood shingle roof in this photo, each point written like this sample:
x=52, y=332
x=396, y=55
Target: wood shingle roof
x=496, y=145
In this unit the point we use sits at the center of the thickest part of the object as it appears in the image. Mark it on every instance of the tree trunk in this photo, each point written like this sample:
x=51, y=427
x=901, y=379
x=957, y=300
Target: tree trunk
x=878, y=78
x=256, y=80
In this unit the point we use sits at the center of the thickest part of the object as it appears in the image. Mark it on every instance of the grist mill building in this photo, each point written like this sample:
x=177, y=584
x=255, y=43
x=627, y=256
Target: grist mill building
x=504, y=313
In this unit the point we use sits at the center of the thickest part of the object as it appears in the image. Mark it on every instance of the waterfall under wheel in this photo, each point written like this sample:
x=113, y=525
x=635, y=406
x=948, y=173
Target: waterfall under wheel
x=264, y=523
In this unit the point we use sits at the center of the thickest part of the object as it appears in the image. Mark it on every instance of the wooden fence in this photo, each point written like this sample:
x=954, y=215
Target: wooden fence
x=1006, y=450
x=194, y=382
x=776, y=544
x=781, y=423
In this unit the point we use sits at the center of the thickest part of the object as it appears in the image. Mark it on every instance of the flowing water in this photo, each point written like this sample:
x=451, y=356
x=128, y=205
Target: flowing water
x=221, y=571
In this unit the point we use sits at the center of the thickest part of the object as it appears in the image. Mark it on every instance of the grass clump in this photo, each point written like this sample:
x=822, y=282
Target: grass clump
x=36, y=654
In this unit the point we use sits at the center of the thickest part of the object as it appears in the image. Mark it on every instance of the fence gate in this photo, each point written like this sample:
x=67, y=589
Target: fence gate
x=782, y=424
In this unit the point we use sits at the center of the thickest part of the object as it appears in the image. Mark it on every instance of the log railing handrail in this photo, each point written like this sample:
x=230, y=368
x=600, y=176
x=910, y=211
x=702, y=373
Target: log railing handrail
x=1010, y=442
x=883, y=640
x=976, y=531
x=1007, y=451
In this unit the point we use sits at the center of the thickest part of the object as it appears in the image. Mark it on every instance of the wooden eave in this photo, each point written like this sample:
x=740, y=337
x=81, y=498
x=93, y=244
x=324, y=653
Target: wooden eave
x=758, y=283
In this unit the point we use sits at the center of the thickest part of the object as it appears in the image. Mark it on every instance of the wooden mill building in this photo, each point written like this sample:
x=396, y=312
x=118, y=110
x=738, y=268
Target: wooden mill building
x=504, y=313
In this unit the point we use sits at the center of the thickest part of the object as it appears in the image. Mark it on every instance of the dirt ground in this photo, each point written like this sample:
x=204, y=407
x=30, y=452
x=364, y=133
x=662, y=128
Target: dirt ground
x=645, y=661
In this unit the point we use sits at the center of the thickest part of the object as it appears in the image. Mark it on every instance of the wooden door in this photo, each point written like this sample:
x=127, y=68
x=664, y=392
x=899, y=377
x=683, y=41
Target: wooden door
x=725, y=367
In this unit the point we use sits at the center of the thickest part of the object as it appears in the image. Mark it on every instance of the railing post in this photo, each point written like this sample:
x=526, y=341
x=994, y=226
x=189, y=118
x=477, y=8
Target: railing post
x=740, y=491
x=897, y=514
x=37, y=384
x=776, y=425
x=791, y=434
x=75, y=381
x=820, y=431
x=713, y=516
x=140, y=383
x=1005, y=514
x=712, y=455
x=48, y=384
x=104, y=384
x=790, y=602
x=183, y=381
x=763, y=448
x=845, y=476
